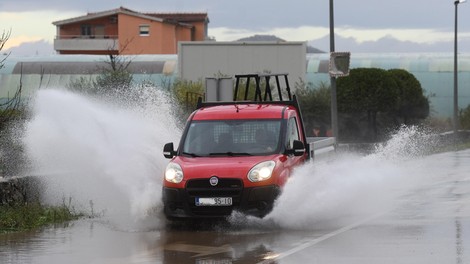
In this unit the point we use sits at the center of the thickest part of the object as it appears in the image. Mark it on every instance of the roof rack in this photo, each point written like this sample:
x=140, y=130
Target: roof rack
x=263, y=93
x=260, y=95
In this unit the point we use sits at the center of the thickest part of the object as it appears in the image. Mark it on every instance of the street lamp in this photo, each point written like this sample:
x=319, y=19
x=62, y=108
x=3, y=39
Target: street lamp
x=456, y=90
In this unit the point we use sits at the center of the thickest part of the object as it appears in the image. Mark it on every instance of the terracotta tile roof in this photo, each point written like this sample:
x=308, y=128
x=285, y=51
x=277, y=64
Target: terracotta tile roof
x=181, y=17
x=164, y=17
x=116, y=10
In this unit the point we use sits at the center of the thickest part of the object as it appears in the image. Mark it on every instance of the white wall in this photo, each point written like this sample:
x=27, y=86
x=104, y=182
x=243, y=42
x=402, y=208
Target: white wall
x=198, y=60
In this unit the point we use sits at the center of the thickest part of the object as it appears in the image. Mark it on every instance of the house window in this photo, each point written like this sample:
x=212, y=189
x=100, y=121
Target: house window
x=86, y=30
x=144, y=30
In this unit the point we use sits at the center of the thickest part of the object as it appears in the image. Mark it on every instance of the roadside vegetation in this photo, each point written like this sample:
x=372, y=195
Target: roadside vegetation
x=21, y=216
x=113, y=79
x=11, y=111
x=34, y=215
x=185, y=95
x=10, y=108
x=372, y=103
x=464, y=117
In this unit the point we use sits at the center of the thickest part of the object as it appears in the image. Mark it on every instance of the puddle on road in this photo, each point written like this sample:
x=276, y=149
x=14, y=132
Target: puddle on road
x=83, y=241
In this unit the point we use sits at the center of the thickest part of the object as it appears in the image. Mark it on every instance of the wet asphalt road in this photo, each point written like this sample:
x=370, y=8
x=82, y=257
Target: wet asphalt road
x=429, y=224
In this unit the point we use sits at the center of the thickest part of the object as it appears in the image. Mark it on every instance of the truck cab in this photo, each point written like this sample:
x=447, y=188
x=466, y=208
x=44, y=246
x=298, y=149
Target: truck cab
x=234, y=156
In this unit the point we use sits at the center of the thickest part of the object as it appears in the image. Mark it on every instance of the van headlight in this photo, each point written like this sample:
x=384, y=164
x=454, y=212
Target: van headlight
x=261, y=171
x=174, y=173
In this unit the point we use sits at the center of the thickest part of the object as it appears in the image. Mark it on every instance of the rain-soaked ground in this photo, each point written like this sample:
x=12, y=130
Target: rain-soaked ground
x=429, y=223
x=392, y=206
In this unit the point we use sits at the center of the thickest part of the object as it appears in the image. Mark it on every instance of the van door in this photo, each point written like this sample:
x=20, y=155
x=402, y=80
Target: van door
x=292, y=133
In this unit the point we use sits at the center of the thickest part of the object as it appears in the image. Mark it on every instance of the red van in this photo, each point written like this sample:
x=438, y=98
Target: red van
x=234, y=156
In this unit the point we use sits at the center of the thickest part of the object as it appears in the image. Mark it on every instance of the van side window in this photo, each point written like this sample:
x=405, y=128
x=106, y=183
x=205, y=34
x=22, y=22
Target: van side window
x=292, y=132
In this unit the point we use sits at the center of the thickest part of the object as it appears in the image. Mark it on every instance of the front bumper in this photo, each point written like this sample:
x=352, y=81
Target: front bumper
x=256, y=201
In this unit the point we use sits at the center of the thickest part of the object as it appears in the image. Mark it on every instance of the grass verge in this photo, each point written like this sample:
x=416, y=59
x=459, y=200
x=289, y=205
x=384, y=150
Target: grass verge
x=31, y=216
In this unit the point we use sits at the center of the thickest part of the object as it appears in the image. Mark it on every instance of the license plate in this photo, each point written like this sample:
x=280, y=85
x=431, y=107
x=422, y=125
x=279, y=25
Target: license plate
x=214, y=201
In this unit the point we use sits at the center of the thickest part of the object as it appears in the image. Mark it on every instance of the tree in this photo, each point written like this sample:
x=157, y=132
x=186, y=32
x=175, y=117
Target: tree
x=3, y=40
x=465, y=118
x=117, y=76
x=412, y=103
x=186, y=93
x=370, y=91
x=10, y=108
x=113, y=79
x=315, y=105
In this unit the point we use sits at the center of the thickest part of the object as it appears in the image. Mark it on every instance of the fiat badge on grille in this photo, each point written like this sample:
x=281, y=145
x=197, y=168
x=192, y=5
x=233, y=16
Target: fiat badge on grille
x=214, y=180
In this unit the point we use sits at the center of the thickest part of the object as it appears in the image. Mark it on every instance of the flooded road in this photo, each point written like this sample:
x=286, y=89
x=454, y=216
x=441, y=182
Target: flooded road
x=392, y=206
x=429, y=222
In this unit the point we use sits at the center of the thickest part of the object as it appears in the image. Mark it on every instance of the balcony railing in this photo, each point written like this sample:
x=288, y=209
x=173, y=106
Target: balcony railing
x=87, y=37
x=84, y=43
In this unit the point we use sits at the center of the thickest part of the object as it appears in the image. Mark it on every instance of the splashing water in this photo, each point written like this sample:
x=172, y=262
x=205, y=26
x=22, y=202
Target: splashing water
x=349, y=188
x=105, y=158
x=408, y=142
x=91, y=150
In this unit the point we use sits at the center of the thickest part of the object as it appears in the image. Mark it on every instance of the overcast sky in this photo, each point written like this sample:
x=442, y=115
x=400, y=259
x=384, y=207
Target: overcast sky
x=360, y=25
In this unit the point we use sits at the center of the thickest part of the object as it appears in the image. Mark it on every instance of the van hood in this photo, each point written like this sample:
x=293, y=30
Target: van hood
x=223, y=167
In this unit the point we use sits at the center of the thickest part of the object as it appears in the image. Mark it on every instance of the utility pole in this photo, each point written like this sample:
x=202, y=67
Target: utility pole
x=334, y=107
x=456, y=80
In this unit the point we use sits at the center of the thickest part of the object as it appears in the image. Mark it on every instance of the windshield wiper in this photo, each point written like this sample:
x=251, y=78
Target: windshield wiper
x=230, y=153
x=191, y=154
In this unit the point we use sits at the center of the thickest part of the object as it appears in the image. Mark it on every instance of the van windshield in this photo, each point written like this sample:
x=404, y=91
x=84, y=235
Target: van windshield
x=232, y=137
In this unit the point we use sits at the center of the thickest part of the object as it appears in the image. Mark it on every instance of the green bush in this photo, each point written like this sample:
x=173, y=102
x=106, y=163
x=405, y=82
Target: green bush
x=373, y=102
x=465, y=118
x=315, y=106
x=413, y=105
x=185, y=94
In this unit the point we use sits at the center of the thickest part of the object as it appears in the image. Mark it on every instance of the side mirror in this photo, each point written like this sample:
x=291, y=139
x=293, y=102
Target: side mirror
x=169, y=150
x=298, y=148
